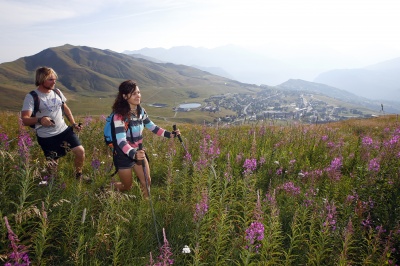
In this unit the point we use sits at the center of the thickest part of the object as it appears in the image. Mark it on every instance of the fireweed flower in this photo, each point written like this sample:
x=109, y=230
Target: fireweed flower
x=96, y=164
x=4, y=141
x=309, y=197
x=24, y=143
x=331, y=213
x=367, y=223
x=367, y=141
x=258, y=213
x=201, y=208
x=228, y=171
x=188, y=157
x=18, y=256
x=209, y=150
x=333, y=169
x=352, y=198
x=279, y=171
x=165, y=253
x=88, y=120
x=262, y=131
x=336, y=164
x=393, y=141
x=254, y=236
x=250, y=165
x=374, y=165
x=290, y=188
x=239, y=158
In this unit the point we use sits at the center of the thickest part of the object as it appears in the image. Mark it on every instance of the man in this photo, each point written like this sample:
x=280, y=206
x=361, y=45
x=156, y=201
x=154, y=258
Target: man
x=53, y=135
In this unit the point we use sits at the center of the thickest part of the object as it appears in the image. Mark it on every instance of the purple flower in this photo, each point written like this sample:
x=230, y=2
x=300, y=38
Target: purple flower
x=367, y=141
x=336, y=164
x=24, y=143
x=331, y=213
x=239, y=157
x=88, y=120
x=96, y=164
x=19, y=256
x=250, y=165
x=188, y=157
x=228, y=172
x=165, y=253
x=201, y=208
x=373, y=165
x=254, y=235
x=279, y=171
x=4, y=141
x=290, y=188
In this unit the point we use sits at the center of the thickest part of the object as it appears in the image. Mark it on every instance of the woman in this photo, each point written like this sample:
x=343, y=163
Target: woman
x=129, y=113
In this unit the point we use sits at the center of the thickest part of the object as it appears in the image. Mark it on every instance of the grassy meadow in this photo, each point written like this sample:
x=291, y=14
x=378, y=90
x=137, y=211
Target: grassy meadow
x=255, y=194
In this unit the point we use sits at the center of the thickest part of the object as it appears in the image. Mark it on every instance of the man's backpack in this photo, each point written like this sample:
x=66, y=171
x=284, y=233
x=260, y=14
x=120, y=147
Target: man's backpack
x=36, y=103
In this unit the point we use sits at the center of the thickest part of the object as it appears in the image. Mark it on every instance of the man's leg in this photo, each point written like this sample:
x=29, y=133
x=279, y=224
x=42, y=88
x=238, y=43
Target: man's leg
x=79, y=153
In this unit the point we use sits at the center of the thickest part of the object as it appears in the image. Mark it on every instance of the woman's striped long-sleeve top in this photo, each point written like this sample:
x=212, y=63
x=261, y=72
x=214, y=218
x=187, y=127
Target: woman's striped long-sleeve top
x=128, y=140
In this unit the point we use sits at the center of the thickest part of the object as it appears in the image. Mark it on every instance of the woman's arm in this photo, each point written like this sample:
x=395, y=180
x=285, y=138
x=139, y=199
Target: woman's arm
x=120, y=136
x=154, y=128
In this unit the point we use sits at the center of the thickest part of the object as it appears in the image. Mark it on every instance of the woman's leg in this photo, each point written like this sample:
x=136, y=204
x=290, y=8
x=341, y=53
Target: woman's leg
x=125, y=177
x=138, y=169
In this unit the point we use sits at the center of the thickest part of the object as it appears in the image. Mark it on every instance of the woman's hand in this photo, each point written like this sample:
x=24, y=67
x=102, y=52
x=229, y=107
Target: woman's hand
x=140, y=155
x=176, y=133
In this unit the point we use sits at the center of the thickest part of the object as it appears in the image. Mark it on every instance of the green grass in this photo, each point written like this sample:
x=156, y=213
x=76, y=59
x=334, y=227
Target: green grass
x=265, y=194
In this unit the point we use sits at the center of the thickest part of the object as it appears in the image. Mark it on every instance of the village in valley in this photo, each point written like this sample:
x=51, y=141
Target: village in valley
x=278, y=105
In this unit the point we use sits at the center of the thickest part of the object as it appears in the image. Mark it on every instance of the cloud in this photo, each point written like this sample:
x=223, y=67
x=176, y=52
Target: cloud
x=22, y=13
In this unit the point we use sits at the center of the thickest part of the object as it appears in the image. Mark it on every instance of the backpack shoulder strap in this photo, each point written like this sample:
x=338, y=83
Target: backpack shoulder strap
x=57, y=91
x=113, y=130
x=36, y=102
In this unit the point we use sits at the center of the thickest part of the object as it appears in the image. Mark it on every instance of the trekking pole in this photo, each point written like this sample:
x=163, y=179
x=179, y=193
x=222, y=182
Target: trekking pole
x=183, y=145
x=148, y=191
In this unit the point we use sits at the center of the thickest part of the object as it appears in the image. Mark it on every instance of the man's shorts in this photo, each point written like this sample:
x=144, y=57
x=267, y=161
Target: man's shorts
x=58, y=146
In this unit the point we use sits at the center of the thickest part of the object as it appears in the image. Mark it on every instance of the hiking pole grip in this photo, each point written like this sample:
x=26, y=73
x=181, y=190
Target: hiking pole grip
x=179, y=136
x=139, y=162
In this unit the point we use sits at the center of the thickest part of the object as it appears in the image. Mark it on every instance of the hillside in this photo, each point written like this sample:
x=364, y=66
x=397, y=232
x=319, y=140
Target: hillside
x=344, y=96
x=85, y=72
x=379, y=81
x=90, y=77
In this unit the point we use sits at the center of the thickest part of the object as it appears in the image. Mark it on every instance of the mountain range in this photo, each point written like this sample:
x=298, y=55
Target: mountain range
x=380, y=81
x=90, y=77
x=86, y=72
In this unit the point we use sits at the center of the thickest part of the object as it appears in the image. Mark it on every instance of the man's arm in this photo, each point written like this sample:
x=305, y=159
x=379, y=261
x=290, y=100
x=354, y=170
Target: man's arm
x=68, y=114
x=70, y=117
x=26, y=118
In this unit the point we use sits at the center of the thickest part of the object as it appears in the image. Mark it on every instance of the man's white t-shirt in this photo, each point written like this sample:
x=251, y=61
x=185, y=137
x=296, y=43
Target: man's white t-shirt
x=50, y=105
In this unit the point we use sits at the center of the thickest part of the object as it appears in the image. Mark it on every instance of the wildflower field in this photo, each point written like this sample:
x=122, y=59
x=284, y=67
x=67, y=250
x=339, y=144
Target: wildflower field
x=260, y=194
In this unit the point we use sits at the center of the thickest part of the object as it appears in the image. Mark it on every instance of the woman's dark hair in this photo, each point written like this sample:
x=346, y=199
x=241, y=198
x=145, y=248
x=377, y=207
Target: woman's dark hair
x=121, y=105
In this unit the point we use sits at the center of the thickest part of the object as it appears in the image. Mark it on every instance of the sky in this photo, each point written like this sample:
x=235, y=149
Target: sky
x=367, y=31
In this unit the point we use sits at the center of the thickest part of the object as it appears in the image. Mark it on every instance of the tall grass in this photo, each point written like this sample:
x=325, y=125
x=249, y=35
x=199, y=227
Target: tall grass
x=261, y=194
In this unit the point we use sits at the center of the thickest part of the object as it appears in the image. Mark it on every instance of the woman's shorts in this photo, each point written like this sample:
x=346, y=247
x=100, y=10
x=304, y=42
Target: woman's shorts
x=58, y=146
x=121, y=160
